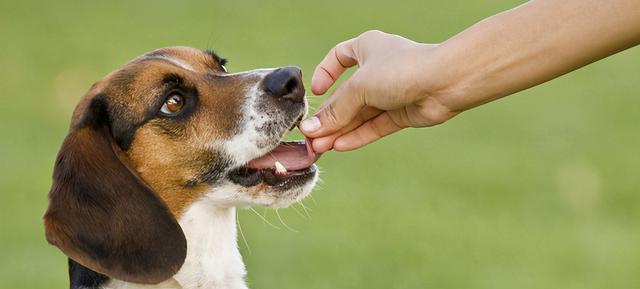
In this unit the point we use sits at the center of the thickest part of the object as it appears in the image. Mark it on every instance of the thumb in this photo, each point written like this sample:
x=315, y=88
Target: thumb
x=338, y=111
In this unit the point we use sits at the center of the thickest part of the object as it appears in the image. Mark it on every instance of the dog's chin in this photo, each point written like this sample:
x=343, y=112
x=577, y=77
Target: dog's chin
x=282, y=196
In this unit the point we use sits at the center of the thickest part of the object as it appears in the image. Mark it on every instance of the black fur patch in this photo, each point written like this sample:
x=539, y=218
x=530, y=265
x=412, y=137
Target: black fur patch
x=215, y=169
x=156, y=53
x=215, y=56
x=81, y=277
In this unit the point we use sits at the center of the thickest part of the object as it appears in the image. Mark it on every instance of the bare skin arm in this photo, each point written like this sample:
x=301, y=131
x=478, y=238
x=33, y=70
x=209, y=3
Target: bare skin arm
x=400, y=83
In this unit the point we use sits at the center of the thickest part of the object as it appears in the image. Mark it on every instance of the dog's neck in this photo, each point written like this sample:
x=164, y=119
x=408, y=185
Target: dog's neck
x=213, y=259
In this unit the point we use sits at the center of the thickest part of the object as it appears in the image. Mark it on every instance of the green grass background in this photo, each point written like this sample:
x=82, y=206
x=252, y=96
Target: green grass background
x=538, y=190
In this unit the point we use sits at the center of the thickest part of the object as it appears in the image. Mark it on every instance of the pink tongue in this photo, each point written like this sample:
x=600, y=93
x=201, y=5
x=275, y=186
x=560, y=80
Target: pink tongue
x=292, y=155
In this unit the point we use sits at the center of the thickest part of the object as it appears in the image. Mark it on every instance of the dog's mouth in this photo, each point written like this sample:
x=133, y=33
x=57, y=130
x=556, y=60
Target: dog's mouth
x=287, y=162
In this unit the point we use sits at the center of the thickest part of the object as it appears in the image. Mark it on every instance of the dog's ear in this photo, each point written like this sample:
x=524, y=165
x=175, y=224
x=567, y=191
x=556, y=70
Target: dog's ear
x=102, y=215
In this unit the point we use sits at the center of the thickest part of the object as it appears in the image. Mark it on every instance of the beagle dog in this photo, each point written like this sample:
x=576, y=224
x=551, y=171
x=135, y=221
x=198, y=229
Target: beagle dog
x=159, y=154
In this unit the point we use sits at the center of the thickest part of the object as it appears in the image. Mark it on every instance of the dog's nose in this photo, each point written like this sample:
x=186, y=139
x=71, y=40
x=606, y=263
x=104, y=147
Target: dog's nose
x=285, y=83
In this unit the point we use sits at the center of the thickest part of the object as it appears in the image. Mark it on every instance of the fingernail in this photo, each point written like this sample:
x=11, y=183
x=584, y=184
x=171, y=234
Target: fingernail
x=310, y=125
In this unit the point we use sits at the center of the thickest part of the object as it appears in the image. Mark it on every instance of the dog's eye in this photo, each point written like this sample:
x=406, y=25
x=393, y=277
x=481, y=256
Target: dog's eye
x=173, y=104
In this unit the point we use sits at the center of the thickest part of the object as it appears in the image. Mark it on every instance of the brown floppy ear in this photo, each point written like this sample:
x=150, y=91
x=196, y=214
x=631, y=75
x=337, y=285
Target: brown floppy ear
x=102, y=215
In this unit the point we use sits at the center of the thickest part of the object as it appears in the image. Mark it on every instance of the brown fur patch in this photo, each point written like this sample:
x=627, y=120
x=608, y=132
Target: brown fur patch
x=167, y=164
x=102, y=216
x=167, y=153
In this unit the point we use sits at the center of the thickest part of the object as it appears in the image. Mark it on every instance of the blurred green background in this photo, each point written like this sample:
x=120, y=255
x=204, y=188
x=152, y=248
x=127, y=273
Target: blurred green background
x=538, y=190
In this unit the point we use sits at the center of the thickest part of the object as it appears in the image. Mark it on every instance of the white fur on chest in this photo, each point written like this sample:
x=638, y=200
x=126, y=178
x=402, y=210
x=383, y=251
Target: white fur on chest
x=213, y=259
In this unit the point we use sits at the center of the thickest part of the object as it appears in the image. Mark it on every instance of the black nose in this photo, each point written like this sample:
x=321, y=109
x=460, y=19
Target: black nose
x=285, y=83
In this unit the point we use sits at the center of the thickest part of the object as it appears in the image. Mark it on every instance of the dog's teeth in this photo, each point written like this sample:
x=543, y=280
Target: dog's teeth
x=280, y=169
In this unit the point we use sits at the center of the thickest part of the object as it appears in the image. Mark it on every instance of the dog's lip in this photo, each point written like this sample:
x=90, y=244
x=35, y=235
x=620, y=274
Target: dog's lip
x=248, y=177
x=296, y=123
x=297, y=158
x=293, y=156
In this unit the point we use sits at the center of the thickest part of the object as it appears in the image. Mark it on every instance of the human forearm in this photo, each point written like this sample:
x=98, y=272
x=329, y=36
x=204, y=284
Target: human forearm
x=400, y=83
x=528, y=45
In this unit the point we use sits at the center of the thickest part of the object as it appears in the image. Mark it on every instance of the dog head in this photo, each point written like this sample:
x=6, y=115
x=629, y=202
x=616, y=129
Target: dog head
x=167, y=129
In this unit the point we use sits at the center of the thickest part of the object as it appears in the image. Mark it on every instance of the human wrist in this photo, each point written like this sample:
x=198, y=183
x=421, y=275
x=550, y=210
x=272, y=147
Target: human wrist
x=451, y=87
x=450, y=80
x=419, y=76
x=435, y=82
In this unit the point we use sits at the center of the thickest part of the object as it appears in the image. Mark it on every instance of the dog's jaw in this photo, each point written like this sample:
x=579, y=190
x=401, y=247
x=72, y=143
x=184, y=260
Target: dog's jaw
x=213, y=259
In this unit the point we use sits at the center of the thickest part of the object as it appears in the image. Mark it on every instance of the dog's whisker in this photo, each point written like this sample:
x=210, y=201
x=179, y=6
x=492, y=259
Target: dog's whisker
x=299, y=213
x=313, y=200
x=264, y=219
x=304, y=208
x=242, y=233
x=285, y=224
x=319, y=189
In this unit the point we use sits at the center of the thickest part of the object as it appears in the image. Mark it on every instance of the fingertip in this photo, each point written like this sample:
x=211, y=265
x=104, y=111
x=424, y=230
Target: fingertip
x=320, y=81
x=316, y=127
x=320, y=86
x=316, y=90
x=310, y=125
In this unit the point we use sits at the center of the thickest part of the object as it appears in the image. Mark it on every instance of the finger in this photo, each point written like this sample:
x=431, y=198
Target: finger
x=332, y=97
x=338, y=59
x=323, y=144
x=337, y=112
x=384, y=124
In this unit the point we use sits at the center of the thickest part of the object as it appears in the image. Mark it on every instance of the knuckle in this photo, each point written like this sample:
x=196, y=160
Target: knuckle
x=331, y=116
x=400, y=119
x=434, y=115
x=437, y=120
x=371, y=34
x=358, y=90
x=375, y=128
x=339, y=47
x=354, y=84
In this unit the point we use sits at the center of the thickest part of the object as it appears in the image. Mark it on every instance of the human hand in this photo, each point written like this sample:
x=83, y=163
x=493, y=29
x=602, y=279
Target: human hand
x=390, y=90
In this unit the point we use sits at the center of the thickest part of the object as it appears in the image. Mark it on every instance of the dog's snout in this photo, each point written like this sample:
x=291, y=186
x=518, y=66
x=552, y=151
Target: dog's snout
x=285, y=83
